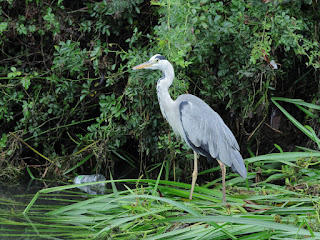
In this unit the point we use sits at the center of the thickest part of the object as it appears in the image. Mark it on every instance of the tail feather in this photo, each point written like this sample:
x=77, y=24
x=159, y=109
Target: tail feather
x=232, y=158
x=238, y=164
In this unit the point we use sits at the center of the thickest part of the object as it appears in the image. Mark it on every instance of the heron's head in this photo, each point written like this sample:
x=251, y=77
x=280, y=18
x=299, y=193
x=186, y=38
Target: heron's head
x=155, y=62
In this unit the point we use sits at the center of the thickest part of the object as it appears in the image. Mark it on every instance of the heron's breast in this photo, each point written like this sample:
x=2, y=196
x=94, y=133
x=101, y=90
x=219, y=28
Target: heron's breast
x=172, y=115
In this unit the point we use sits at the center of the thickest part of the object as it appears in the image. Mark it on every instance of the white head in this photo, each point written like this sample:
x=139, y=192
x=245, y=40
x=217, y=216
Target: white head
x=155, y=62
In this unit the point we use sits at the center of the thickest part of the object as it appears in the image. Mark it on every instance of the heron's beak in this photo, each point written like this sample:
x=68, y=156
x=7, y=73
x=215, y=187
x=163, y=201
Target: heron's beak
x=143, y=65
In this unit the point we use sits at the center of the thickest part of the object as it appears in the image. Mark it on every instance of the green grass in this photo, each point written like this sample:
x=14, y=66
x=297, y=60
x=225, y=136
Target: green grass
x=157, y=209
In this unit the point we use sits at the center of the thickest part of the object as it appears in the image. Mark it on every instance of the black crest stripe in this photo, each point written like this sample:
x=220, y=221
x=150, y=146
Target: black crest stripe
x=160, y=57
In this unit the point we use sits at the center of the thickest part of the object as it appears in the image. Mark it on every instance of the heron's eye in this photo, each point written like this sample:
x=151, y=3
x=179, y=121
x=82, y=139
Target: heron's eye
x=157, y=60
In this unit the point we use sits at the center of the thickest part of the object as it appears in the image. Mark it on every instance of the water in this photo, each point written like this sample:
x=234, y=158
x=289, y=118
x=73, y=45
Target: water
x=37, y=224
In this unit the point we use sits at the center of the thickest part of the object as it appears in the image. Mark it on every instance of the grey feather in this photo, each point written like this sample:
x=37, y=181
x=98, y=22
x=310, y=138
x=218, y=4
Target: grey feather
x=206, y=133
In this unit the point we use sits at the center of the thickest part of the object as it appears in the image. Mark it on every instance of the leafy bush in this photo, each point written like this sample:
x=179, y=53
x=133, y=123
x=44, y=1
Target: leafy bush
x=60, y=77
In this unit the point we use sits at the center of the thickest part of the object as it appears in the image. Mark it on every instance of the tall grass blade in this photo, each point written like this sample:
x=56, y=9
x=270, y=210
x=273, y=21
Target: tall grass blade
x=158, y=179
x=243, y=220
x=114, y=187
x=292, y=119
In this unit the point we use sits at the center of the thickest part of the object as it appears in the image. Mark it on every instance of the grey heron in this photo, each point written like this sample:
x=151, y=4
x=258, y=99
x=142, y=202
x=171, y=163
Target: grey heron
x=202, y=128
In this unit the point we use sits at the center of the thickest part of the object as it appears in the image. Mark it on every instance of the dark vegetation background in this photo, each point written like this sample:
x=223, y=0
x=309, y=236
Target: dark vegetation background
x=70, y=103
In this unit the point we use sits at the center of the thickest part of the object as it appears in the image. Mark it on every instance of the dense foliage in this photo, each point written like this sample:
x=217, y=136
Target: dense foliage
x=70, y=98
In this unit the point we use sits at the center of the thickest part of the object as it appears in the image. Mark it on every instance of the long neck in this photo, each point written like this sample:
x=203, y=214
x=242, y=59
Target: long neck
x=164, y=98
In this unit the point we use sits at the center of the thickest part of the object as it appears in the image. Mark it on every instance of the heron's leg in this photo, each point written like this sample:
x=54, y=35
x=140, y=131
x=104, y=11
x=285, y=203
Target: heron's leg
x=223, y=169
x=194, y=174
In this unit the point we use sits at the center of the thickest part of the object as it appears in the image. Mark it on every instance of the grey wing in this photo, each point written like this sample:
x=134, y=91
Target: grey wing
x=206, y=133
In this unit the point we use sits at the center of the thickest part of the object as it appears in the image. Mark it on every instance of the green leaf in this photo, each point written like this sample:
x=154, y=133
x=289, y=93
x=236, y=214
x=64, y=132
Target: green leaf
x=3, y=26
x=26, y=81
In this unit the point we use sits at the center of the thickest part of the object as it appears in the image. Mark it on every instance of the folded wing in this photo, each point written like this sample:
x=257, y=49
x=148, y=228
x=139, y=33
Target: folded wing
x=206, y=133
